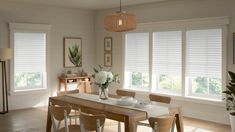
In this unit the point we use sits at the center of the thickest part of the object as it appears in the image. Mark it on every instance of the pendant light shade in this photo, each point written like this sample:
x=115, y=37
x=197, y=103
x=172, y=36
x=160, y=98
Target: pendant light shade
x=120, y=21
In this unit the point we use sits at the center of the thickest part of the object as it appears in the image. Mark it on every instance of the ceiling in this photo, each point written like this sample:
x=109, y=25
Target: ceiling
x=85, y=4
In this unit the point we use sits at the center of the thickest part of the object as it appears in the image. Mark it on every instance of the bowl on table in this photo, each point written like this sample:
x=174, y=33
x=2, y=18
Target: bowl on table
x=126, y=101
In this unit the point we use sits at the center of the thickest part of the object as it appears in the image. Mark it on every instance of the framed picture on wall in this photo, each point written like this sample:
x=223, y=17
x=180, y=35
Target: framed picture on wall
x=108, y=44
x=233, y=47
x=108, y=59
x=72, y=52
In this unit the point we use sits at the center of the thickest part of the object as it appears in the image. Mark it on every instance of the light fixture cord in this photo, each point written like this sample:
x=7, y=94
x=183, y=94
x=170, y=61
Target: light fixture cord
x=120, y=5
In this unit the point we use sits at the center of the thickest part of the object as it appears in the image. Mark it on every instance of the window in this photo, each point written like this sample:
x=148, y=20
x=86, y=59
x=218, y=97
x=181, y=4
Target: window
x=204, y=61
x=180, y=58
x=29, y=63
x=137, y=61
x=166, y=73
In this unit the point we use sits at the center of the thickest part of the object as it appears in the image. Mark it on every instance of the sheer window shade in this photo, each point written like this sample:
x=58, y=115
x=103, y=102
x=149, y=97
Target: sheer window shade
x=204, y=53
x=137, y=52
x=30, y=52
x=167, y=52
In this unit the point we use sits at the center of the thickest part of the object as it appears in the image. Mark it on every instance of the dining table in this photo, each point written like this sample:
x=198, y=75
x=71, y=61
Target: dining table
x=129, y=115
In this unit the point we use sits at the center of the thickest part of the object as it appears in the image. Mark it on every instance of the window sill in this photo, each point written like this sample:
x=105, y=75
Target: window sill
x=198, y=100
x=29, y=91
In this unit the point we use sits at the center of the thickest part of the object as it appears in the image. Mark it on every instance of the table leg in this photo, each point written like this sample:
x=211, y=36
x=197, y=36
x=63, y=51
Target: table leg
x=129, y=124
x=48, y=128
x=65, y=85
x=59, y=86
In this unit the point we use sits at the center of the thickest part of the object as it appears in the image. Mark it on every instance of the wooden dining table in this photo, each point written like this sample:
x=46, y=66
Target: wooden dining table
x=114, y=112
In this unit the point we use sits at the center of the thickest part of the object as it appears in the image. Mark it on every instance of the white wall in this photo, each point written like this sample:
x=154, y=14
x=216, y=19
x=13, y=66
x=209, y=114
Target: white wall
x=167, y=11
x=64, y=23
x=89, y=26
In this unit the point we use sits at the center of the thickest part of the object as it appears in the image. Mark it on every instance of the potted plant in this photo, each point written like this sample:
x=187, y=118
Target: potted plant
x=230, y=99
x=103, y=78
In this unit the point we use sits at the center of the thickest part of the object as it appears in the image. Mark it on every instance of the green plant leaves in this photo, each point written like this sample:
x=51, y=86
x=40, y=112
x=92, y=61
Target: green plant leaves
x=75, y=55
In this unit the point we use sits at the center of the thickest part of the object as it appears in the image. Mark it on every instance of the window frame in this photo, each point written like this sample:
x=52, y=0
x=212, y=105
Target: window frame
x=149, y=56
x=29, y=28
x=183, y=25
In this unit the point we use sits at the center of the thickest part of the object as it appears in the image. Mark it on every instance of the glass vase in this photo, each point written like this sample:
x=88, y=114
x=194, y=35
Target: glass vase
x=103, y=93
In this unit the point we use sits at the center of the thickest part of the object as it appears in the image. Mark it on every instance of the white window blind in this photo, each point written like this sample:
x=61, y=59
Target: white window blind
x=167, y=52
x=29, y=52
x=137, y=52
x=204, y=53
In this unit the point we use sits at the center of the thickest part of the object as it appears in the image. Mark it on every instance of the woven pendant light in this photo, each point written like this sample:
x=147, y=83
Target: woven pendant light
x=120, y=21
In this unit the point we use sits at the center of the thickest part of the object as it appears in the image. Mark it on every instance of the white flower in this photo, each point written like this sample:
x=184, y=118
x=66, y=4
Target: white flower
x=101, y=77
x=110, y=76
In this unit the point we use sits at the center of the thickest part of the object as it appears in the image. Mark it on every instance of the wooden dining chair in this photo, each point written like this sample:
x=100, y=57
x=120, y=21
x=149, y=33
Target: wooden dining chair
x=59, y=114
x=154, y=98
x=162, y=124
x=73, y=112
x=159, y=98
x=89, y=122
x=120, y=92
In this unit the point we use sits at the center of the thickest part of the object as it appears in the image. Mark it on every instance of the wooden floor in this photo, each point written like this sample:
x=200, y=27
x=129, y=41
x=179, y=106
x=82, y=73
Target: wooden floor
x=34, y=120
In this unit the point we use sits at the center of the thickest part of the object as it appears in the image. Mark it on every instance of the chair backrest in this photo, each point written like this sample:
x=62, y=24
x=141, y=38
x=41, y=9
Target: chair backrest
x=161, y=124
x=90, y=122
x=59, y=113
x=125, y=93
x=159, y=98
x=67, y=92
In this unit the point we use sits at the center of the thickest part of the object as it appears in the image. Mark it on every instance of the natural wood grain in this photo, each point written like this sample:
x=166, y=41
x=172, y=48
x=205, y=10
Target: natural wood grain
x=159, y=98
x=89, y=122
x=161, y=124
x=125, y=93
x=76, y=79
x=128, y=116
x=112, y=112
x=67, y=92
x=34, y=120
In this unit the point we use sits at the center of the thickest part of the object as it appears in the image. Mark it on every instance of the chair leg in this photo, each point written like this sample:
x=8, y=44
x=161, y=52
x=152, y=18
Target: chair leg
x=173, y=126
x=136, y=127
x=119, y=126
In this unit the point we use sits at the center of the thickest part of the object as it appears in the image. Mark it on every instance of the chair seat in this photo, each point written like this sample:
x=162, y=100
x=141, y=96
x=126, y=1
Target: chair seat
x=72, y=128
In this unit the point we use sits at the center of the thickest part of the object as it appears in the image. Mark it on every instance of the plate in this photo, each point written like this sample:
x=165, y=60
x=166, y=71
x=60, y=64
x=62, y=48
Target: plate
x=141, y=104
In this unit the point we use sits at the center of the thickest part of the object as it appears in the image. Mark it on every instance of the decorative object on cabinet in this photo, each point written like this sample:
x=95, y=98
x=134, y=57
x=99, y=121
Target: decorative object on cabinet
x=72, y=52
x=5, y=54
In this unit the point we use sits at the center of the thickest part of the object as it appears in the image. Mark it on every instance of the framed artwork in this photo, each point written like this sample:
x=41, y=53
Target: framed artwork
x=72, y=52
x=233, y=47
x=108, y=59
x=108, y=44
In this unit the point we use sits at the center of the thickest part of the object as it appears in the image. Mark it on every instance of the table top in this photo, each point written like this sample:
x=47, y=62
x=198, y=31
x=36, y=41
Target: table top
x=74, y=77
x=99, y=106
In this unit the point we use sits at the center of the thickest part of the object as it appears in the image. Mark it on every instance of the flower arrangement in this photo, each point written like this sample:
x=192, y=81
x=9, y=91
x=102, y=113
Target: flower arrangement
x=103, y=78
